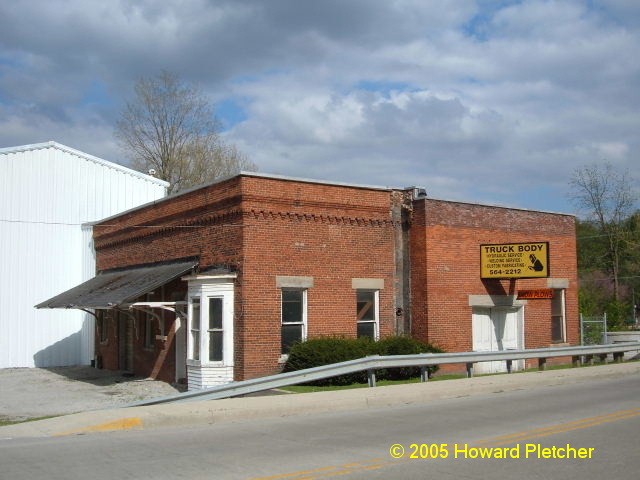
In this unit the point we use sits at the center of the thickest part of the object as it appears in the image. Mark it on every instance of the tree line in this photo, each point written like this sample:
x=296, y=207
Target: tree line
x=608, y=239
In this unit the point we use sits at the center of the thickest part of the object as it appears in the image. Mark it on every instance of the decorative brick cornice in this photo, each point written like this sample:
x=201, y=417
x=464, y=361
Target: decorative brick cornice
x=138, y=232
x=134, y=233
x=316, y=218
x=282, y=204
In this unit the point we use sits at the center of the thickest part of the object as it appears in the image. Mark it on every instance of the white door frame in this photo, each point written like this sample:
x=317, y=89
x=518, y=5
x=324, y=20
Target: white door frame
x=202, y=373
x=486, y=317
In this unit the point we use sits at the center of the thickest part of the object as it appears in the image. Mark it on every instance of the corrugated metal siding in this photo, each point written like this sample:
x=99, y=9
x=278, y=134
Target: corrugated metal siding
x=46, y=193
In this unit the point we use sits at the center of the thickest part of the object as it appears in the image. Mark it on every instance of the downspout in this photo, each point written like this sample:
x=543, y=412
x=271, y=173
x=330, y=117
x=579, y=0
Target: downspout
x=401, y=213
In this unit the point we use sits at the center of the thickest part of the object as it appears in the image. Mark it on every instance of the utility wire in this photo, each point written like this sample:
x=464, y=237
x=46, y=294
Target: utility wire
x=4, y=220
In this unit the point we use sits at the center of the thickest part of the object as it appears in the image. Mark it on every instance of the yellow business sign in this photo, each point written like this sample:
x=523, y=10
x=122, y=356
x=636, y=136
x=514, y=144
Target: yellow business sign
x=514, y=260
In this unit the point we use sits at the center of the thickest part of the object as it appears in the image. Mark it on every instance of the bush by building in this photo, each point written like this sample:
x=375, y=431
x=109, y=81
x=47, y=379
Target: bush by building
x=320, y=351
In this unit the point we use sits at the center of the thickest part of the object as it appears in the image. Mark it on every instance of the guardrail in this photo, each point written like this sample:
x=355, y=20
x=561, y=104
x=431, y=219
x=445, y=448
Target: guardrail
x=376, y=362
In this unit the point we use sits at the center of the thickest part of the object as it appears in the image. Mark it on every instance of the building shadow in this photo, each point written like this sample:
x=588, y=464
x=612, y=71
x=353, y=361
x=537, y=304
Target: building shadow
x=65, y=353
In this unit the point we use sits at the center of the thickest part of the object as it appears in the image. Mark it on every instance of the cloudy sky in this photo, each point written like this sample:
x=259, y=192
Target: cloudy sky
x=484, y=101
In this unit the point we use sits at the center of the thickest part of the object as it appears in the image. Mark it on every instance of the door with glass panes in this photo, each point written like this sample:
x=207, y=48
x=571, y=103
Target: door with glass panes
x=210, y=335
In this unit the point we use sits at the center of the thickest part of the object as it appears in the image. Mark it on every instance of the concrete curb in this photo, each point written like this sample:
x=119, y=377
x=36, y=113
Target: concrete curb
x=248, y=408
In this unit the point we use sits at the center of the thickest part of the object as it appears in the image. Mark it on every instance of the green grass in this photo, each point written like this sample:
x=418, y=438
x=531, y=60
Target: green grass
x=380, y=383
x=5, y=421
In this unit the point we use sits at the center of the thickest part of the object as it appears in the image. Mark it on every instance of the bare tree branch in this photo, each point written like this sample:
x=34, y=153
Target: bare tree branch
x=170, y=126
x=608, y=199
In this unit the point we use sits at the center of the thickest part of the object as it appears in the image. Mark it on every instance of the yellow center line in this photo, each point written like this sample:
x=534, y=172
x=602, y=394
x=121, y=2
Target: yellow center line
x=378, y=463
x=560, y=428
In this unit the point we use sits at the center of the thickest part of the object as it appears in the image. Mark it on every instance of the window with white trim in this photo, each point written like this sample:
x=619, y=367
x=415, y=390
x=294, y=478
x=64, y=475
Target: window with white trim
x=194, y=328
x=367, y=306
x=215, y=331
x=294, y=317
x=206, y=329
x=558, y=324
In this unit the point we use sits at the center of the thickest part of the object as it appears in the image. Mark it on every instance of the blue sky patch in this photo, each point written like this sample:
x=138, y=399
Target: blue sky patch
x=96, y=94
x=231, y=112
x=479, y=27
x=384, y=87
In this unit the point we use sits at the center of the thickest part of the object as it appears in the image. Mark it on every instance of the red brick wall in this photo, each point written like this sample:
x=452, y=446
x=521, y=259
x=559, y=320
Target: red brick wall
x=263, y=228
x=267, y=227
x=203, y=223
x=330, y=233
x=445, y=247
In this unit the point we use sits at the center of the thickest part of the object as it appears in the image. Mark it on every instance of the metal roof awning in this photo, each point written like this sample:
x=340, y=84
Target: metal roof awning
x=118, y=287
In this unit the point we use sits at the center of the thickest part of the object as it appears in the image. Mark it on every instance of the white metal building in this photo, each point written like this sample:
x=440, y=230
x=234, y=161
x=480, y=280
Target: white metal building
x=47, y=192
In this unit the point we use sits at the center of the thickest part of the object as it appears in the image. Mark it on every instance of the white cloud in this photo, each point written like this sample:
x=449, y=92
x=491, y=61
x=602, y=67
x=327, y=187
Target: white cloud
x=487, y=101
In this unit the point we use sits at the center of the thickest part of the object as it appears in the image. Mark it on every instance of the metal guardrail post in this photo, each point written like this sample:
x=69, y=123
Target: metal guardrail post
x=575, y=361
x=469, y=369
x=371, y=377
x=509, y=365
x=542, y=363
x=424, y=374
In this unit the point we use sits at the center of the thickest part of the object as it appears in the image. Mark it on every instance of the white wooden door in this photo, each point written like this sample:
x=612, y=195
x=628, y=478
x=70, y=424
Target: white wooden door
x=496, y=329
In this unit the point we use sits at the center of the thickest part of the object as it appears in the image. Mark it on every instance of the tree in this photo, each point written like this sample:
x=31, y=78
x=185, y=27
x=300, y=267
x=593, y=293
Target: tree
x=608, y=199
x=170, y=127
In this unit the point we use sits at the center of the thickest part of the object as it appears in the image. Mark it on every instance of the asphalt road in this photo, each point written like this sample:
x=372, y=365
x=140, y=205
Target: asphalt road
x=601, y=417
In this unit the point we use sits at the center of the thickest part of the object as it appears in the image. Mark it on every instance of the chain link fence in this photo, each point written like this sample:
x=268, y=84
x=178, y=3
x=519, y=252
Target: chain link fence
x=593, y=330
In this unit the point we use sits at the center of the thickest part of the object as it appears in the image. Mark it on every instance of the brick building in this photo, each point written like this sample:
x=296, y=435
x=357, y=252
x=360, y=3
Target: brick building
x=216, y=283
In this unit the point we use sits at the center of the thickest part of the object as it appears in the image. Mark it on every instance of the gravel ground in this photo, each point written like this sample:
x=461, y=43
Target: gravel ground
x=38, y=392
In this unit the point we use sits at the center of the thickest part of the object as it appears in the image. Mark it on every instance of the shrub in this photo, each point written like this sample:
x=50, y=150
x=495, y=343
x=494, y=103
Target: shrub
x=403, y=345
x=326, y=350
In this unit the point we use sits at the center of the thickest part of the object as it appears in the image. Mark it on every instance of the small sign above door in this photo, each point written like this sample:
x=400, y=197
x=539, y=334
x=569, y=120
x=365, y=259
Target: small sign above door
x=538, y=294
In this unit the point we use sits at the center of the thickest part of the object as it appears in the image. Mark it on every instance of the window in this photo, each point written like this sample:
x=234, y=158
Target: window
x=209, y=329
x=558, y=329
x=215, y=329
x=206, y=329
x=367, y=313
x=294, y=317
x=194, y=347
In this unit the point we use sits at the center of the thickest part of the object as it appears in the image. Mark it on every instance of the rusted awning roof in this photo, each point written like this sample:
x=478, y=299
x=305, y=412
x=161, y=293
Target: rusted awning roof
x=118, y=287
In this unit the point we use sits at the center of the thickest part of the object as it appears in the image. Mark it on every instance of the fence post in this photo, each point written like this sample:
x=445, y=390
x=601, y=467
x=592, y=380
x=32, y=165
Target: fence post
x=371, y=376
